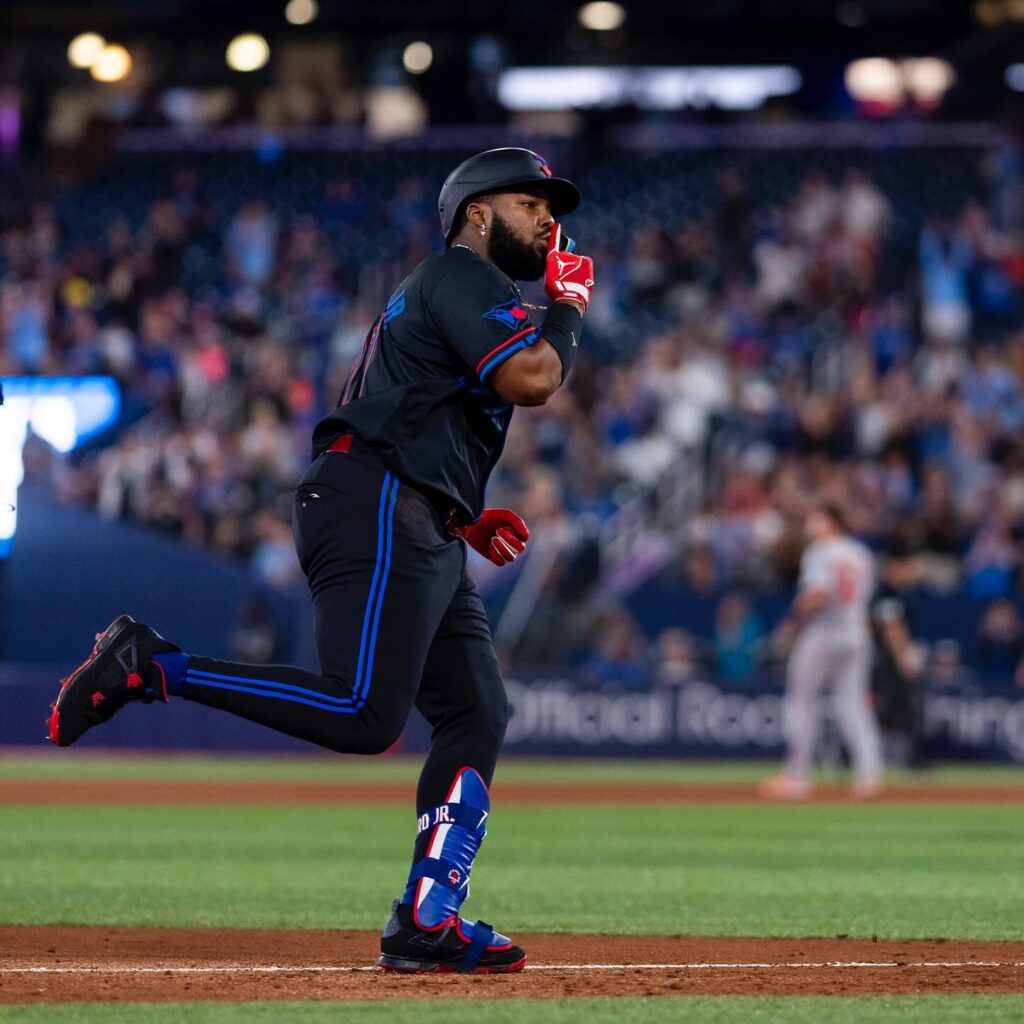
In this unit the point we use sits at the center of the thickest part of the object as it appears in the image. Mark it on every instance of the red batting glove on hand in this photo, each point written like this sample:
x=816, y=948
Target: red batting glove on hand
x=569, y=276
x=499, y=534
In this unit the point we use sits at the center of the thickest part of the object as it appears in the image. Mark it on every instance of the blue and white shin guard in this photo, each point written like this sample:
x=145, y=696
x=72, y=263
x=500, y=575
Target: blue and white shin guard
x=439, y=882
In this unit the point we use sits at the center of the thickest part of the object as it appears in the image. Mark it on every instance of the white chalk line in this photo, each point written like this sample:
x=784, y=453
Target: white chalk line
x=329, y=969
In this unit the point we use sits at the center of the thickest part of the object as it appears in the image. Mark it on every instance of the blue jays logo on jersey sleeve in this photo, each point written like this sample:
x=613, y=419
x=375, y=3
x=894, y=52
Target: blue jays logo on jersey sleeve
x=509, y=313
x=395, y=307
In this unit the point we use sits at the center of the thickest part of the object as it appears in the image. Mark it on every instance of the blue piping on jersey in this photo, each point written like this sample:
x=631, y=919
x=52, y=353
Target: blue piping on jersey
x=502, y=356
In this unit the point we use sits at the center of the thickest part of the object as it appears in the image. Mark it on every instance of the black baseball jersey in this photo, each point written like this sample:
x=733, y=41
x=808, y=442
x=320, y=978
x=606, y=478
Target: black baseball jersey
x=887, y=605
x=419, y=391
x=894, y=692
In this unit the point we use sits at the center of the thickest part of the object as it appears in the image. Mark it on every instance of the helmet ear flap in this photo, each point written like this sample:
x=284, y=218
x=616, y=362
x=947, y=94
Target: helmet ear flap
x=460, y=220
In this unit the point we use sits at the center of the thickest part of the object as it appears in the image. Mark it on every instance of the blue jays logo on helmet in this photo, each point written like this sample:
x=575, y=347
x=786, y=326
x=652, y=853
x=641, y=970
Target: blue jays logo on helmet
x=545, y=170
x=509, y=313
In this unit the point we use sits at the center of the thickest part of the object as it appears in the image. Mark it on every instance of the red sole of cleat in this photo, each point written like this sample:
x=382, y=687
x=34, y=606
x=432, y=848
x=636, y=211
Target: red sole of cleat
x=53, y=722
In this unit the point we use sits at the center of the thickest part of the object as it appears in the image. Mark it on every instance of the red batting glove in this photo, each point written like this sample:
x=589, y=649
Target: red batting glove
x=499, y=534
x=569, y=276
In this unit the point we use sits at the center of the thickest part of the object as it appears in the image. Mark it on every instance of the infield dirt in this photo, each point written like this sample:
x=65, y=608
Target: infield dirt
x=86, y=964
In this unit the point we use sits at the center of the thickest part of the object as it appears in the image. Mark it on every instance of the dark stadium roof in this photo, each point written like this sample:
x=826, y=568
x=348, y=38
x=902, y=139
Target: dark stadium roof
x=760, y=29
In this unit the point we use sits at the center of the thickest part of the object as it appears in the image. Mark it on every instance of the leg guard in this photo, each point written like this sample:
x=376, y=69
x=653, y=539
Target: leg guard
x=425, y=932
x=439, y=882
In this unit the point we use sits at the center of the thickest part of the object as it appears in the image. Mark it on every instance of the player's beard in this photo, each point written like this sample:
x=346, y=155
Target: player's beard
x=520, y=261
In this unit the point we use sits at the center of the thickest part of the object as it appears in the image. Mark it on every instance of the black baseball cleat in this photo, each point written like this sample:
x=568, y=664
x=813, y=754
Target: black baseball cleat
x=119, y=669
x=457, y=947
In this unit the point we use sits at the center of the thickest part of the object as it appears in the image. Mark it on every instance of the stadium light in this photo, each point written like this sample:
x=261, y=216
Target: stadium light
x=247, y=52
x=113, y=64
x=879, y=80
x=602, y=16
x=85, y=48
x=874, y=80
x=650, y=88
x=927, y=79
x=417, y=57
x=1014, y=77
x=300, y=12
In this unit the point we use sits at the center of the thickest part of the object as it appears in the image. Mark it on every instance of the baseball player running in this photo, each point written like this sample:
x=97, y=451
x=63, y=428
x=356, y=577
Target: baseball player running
x=833, y=649
x=382, y=518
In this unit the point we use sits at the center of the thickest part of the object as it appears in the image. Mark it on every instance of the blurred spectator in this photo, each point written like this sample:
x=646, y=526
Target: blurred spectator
x=257, y=639
x=1000, y=644
x=781, y=265
x=274, y=557
x=945, y=259
x=23, y=319
x=250, y=242
x=990, y=563
x=864, y=211
x=617, y=648
x=738, y=637
x=946, y=670
x=675, y=659
x=699, y=569
x=750, y=348
x=344, y=205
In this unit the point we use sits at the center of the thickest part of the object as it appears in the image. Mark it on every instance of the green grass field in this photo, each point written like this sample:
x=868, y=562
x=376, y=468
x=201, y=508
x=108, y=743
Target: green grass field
x=901, y=871
x=906, y=872
x=703, y=1009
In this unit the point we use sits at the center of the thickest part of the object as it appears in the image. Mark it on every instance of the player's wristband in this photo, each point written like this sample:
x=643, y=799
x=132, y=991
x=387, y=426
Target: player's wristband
x=561, y=331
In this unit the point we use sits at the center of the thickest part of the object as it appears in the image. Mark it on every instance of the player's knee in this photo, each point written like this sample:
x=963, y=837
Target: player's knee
x=378, y=734
x=382, y=731
x=378, y=742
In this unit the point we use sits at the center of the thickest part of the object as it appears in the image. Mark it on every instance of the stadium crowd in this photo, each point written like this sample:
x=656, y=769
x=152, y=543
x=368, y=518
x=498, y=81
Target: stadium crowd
x=788, y=349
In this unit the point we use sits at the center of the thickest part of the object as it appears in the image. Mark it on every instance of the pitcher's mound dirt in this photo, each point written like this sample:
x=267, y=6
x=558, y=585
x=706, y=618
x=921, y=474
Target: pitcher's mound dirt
x=86, y=964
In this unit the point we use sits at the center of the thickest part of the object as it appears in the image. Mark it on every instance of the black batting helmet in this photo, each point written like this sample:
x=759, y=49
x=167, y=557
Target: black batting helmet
x=497, y=170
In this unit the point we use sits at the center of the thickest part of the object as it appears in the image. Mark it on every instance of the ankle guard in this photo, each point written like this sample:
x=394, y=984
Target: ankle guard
x=439, y=882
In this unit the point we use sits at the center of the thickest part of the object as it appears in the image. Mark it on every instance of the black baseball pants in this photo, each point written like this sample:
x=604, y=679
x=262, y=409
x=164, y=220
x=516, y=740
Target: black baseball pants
x=398, y=623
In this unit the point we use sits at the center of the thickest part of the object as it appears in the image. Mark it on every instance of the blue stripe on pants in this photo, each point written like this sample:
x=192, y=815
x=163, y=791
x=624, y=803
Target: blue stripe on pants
x=368, y=641
x=202, y=676
x=368, y=675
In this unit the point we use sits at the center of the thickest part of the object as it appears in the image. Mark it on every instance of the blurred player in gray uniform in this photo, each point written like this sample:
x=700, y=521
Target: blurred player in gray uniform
x=833, y=650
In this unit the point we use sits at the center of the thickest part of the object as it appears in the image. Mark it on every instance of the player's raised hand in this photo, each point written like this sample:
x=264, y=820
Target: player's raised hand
x=499, y=534
x=569, y=277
